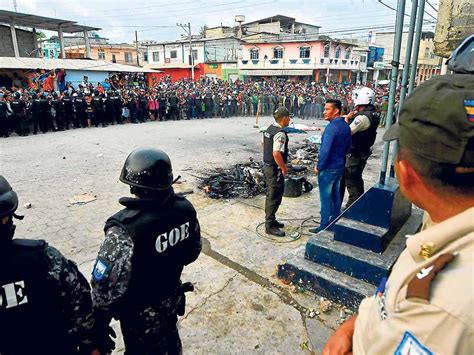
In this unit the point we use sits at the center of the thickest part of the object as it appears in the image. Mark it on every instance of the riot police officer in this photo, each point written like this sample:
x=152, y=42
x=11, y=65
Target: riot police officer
x=275, y=155
x=363, y=122
x=110, y=107
x=45, y=302
x=18, y=108
x=80, y=109
x=36, y=111
x=136, y=277
x=4, y=111
x=98, y=109
x=57, y=106
x=67, y=109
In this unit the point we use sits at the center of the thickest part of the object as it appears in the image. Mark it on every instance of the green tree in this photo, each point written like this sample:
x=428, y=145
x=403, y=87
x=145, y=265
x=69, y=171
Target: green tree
x=203, y=30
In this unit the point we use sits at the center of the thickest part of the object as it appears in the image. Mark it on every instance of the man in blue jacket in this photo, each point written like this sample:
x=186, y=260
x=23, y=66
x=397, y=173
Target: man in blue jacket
x=335, y=145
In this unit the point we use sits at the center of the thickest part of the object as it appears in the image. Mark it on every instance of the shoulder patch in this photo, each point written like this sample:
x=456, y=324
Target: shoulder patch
x=101, y=267
x=411, y=346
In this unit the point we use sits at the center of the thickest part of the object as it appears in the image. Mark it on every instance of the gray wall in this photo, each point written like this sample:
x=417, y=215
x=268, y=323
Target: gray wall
x=25, y=42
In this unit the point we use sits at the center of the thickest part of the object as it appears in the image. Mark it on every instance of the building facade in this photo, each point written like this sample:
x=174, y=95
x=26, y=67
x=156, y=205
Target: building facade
x=429, y=64
x=313, y=59
x=113, y=53
x=26, y=42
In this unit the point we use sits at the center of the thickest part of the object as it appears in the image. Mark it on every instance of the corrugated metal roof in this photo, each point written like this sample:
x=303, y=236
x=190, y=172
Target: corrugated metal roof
x=70, y=64
x=41, y=22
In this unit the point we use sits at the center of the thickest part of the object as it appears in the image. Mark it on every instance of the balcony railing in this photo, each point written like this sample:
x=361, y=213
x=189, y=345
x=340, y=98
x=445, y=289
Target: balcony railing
x=301, y=63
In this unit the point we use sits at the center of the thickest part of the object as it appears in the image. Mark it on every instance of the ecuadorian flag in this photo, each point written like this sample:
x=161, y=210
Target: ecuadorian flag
x=469, y=106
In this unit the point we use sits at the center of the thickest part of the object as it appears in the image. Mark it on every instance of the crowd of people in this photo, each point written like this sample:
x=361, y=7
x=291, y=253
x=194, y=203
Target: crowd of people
x=45, y=109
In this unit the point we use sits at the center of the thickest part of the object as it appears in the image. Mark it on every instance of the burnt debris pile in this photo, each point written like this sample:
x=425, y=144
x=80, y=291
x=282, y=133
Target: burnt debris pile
x=247, y=180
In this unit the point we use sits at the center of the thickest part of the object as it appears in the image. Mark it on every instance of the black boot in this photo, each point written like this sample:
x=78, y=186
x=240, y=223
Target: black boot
x=278, y=224
x=274, y=231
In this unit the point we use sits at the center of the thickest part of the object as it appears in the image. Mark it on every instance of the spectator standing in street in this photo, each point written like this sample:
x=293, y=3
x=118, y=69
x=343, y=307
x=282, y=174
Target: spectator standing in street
x=335, y=145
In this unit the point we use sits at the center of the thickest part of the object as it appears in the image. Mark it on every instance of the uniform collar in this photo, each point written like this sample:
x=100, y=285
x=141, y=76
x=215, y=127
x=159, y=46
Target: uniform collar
x=436, y=236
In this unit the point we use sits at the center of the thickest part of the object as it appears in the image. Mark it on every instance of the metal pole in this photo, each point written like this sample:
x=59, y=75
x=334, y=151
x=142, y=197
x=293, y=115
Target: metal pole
x=329, y=64
x=393, y=83
x=191, y=50
x=136, y=48
x=14, y=40
x=419, y=24
x=406, y=71
x=61, y=42
x=87, y=44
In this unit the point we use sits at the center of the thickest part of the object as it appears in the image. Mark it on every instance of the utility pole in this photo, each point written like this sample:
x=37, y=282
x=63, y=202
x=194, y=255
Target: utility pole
x=187, y=29
x=136, y=46
x=15, y=5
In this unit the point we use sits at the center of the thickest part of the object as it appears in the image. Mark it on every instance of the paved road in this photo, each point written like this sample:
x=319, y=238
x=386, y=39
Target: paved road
x=239, y=306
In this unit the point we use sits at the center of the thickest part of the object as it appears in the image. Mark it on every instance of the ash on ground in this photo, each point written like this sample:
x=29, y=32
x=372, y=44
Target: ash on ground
x=247, y=180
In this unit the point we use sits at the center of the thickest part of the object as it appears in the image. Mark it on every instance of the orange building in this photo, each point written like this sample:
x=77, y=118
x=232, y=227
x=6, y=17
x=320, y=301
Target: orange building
x=113, y=53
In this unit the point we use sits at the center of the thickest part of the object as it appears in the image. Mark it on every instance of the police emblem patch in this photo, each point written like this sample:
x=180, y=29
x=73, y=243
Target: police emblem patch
x=100, y=269
x=411, y=346
x=469, y=106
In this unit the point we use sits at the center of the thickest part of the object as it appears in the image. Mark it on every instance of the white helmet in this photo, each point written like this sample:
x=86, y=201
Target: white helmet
x=363, y=96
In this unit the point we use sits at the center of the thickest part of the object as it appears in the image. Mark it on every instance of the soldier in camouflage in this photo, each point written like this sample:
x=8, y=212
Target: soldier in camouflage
x=136, y=277
x=45, y=302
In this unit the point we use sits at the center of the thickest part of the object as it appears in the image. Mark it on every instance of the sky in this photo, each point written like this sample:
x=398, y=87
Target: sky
x=157, y=19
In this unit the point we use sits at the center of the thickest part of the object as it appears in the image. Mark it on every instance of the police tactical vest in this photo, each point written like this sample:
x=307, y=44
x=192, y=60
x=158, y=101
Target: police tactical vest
x=362, y=141
x=30, y=318
x=3, y=109
x=17, y=107
x=98, y=104
x=164, y=238
x=67, y=104
x=271, y=131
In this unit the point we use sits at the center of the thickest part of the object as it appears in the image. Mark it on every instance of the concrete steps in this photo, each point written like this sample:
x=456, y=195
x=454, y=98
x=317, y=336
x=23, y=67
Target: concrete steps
x=324, y=281
x=342, y=272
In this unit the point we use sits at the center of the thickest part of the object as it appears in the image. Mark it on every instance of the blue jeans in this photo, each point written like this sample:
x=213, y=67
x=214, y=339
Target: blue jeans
x=329, y=181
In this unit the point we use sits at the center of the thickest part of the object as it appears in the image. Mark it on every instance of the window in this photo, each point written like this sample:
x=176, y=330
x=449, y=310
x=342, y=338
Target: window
x=278, y=53
x=195, y=54
x=156, y=56
x=114, y=58
x=326, y=51
x=427, y=53
x=254, y=53
x=128, y=57
x=338, y=52
x=101, y=54
x=363, y=59
x=305, y=52
x=348, y=53
x=173, y=54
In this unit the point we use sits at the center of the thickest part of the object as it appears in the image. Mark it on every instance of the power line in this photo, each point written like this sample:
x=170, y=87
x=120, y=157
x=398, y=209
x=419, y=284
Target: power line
x=429, y=4
x=394, y=9
x=128, y=9
x=125, y=17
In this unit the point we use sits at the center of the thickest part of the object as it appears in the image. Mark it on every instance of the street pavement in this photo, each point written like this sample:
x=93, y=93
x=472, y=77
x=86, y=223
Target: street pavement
x=238, y=306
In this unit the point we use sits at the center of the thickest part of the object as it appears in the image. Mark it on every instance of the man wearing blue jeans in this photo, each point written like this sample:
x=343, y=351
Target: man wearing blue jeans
x=336, y=143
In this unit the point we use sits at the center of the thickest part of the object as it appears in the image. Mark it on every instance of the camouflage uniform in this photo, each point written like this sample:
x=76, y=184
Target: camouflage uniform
x=70, y=329
x=75, y=291
x=149, y=331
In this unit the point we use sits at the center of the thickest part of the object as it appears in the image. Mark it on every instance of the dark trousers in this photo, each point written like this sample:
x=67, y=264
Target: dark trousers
x=275, y=182
x=352, y=179
x=4, y=127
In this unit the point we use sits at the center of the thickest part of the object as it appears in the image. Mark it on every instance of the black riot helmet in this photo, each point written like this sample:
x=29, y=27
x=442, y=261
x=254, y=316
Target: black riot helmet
x=149, y=169
x=8, y=198
x=17, y=95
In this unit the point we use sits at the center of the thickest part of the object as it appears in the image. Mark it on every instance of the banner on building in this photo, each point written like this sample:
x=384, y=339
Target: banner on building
x=276, y=72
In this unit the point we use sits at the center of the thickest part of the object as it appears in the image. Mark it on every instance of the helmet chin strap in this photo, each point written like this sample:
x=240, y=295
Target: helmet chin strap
x=176, y=180
x=17, y=216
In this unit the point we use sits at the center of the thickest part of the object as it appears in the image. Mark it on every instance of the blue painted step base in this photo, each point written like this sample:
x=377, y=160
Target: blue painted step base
x=324, y=281
x=360, y=263
x=342, y=272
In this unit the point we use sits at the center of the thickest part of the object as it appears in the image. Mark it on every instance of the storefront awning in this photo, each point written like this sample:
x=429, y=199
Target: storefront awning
x=276, y=72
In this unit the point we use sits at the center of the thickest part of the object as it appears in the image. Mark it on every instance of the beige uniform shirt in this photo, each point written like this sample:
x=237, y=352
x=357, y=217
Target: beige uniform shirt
x=388, y=323
x=359, y=124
